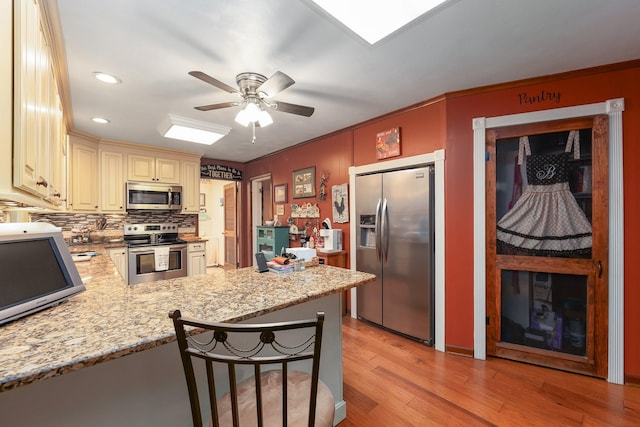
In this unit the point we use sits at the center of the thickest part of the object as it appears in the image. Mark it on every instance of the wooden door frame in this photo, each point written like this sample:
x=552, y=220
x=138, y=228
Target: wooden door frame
x=613, y=108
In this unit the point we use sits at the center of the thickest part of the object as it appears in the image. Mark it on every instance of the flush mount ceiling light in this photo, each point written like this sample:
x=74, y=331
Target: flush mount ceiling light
x=185, y=129
x=106, y=78
x=374, y=21
x=100, y=120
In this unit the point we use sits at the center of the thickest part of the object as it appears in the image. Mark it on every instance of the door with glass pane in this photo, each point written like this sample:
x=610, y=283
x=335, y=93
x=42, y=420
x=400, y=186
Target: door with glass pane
x=547, y=240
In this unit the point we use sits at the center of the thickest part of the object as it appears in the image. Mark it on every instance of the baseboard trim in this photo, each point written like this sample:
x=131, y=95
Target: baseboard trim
x=341, y=412
x=632, y=380
x=460, y=351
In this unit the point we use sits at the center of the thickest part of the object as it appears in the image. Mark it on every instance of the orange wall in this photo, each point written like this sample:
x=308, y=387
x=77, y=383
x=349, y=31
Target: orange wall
x=459, y=192
x=446, y=123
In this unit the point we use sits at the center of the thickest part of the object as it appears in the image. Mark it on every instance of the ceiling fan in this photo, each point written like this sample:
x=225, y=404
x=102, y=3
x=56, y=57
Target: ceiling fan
x=256, y=93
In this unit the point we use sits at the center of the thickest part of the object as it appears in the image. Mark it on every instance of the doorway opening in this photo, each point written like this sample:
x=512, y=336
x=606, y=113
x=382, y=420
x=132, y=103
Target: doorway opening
x=261, y=205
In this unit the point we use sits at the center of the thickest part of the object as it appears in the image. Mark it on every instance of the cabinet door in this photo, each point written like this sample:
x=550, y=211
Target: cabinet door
x=84, y=178
x=190, y=187
x=547, y=239
x=112, y=187
x=141, y=168
x=167, y=170
x=28, y=41
x=196, y=264
x=119, y=258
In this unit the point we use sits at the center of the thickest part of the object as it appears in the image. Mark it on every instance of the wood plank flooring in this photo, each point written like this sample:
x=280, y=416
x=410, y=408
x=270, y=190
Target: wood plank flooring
x=392, y=381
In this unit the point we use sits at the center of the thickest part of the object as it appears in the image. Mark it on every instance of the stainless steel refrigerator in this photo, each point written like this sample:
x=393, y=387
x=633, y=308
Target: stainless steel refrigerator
x=395, y=242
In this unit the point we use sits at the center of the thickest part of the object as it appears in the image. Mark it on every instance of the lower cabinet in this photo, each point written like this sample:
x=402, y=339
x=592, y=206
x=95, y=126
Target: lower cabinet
x=196, y=259
x=335, y=259
x=119, y=258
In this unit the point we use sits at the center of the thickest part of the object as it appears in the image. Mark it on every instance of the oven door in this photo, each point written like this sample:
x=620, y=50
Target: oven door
x=142, y=264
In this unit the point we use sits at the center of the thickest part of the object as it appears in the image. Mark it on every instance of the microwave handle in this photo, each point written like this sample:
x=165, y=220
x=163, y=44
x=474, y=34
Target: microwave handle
x=170, y=198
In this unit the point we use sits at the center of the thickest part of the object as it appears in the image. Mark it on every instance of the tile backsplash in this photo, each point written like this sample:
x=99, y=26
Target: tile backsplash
x=115, y=222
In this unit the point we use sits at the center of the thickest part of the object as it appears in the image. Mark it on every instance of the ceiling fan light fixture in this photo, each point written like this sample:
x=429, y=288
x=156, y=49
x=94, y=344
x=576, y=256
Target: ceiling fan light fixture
x=185, y=129
x=264, y=118
x=243, y=118
x=253, y=111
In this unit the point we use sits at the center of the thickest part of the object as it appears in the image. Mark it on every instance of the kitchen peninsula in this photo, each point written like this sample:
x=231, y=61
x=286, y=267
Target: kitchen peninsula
x=64, y=365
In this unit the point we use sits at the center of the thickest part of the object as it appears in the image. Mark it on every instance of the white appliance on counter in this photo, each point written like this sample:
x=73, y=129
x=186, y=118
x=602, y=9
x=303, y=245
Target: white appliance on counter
x=155, y=252
x=332, y=240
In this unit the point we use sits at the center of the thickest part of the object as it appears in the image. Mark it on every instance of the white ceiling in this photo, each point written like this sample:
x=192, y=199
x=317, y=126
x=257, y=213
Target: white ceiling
x=152, y=45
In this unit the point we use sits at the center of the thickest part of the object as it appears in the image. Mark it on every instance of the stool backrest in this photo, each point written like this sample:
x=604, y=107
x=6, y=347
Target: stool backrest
x=257, y=346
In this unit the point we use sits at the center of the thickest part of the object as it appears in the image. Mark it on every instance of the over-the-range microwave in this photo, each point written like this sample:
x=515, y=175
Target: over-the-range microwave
x=153, y=196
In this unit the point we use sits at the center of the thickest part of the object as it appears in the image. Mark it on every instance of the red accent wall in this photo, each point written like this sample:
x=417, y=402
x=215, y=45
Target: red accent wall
x=332, y=155
x=459, y=192
x=422, y=130
x=447, y=123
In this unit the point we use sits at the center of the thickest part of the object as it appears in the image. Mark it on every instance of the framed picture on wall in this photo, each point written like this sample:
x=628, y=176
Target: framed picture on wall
x=280, y=193
x=304, y=183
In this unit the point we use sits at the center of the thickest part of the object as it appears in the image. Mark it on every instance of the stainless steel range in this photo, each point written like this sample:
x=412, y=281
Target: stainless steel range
x=155, y=252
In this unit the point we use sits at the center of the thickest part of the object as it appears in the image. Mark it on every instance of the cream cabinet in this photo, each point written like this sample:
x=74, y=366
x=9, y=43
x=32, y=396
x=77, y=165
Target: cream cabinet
x=120, y=260
x=146, y=168
x=196, y=259
x=190, y=182
x=83, y=176
x=38, y=127
x=112, y=180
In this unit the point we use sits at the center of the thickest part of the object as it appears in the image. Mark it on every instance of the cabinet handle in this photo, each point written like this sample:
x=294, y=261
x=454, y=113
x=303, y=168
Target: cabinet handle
x=599, y=269
x=43, y=182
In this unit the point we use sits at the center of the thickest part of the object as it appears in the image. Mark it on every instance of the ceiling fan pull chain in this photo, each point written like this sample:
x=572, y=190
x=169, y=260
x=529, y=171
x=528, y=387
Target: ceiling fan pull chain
x=253, y=126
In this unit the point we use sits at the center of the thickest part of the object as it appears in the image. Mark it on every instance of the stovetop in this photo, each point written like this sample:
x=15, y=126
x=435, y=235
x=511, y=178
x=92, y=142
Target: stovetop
x=151, y=234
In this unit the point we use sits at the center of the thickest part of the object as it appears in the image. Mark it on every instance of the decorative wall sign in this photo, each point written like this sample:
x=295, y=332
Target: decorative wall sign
x=224, y=172
x=305, y=210
x=388, y=143
x=280, y=193
x=340, y=205
x=304, y=183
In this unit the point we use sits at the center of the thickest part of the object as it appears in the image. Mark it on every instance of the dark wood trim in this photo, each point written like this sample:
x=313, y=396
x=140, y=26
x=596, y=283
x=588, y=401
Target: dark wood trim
x=608, y=68
x=460, y=351
x=633, y=380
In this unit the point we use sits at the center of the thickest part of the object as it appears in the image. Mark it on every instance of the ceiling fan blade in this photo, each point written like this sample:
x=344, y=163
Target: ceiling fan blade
x=217, y=106
x=275, y=84
x=292, y=108
x=217, y=83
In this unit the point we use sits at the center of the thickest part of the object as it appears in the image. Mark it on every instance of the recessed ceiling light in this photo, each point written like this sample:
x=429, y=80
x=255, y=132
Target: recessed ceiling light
x=190, y=130
x=101, y=120
x=374, y=21
x=106, y=78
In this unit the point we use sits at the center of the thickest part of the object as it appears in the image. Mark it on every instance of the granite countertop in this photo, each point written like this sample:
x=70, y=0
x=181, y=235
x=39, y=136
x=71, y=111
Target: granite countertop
x=111, y=319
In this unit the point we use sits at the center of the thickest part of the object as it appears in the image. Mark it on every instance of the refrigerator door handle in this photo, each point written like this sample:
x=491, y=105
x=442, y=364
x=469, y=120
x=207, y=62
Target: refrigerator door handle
x=385, y=231
x=378, y=230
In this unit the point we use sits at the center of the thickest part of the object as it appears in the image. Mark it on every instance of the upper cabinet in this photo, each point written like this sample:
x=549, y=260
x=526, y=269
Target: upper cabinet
x=190, y=186
x=112, y=182
x=37, y=132
x=99, y=170
x=148, y=168
x=83, y=176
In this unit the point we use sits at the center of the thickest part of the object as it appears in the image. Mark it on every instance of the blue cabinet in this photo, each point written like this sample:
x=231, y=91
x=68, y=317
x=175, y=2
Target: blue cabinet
x=271, y=240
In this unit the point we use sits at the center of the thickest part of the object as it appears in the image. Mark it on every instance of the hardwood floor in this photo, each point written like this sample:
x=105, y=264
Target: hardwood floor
x=392, y=381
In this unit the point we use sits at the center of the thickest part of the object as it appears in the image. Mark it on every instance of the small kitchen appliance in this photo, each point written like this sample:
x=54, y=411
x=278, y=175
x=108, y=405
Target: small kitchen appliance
x=332, y=240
